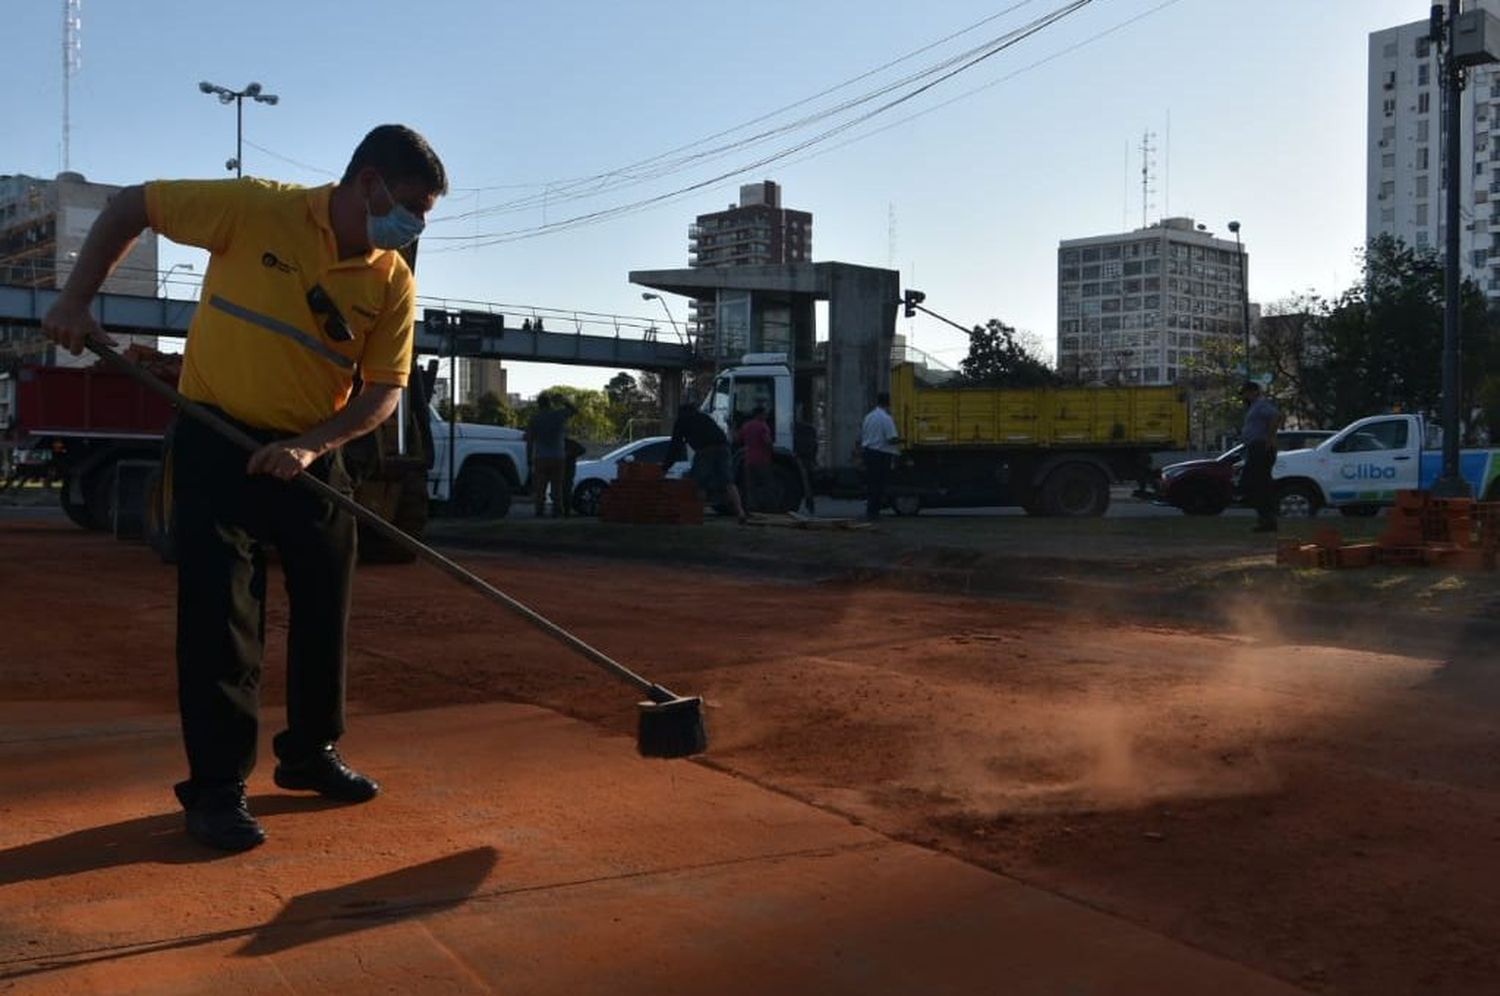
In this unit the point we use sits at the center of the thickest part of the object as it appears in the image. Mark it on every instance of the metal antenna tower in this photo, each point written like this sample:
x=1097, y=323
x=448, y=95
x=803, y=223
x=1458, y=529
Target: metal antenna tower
x=1148, y=176
x=72, y=61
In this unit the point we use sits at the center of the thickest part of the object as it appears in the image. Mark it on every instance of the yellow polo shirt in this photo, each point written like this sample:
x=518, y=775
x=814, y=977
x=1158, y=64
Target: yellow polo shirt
x=255, y=348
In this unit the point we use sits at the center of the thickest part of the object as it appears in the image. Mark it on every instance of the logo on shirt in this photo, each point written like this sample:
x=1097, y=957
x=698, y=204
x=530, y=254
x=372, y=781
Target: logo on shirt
x=272, y=262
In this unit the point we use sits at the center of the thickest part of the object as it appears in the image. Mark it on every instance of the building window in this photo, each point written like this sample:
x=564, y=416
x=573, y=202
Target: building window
x=1390, y=50
x=1422, y=239
x=1421, y=187
x=1422, y=74
x=1112, y=269
x=1423, y=47
x=1422, y=214
x=1422, y=156
x=1423, y=133
x=1424, y=103
x=1388, y=161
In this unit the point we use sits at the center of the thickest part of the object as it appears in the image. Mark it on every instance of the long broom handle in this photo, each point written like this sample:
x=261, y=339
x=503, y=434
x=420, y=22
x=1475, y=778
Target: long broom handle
x=396, y=535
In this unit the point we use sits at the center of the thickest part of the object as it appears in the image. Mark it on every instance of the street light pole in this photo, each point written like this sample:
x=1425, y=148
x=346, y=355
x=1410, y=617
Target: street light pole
x=162, y=283
x=648, y=296
x=1450, y=483
x=1239, y=249
x=237, y=97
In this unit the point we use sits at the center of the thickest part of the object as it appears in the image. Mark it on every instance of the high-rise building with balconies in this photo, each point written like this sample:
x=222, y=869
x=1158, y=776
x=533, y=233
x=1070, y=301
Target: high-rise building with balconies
x=757, y=231
x=1405, y=185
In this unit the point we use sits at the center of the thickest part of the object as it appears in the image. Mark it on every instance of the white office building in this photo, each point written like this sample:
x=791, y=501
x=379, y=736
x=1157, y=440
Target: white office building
x=1135, y=307
x=1405, y=187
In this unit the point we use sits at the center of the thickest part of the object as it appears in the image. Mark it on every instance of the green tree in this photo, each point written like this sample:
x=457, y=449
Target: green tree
x=633, y=402
x=1000, y=357
x=592, y=421
x=491, y=410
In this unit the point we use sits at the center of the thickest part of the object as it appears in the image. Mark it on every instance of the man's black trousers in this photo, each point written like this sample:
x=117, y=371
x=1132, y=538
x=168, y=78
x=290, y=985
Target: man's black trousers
x=1255, y=481
x=224, y=520
x=877, y=470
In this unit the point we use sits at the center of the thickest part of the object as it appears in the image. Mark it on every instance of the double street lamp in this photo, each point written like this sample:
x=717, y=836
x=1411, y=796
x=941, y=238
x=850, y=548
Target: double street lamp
x=237, y=98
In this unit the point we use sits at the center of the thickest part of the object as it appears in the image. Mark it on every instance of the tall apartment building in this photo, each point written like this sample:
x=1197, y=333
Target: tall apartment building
x=757, y=231
x=42, y=226
x=1405, y=182
x=1136, y=306
x=480, y=377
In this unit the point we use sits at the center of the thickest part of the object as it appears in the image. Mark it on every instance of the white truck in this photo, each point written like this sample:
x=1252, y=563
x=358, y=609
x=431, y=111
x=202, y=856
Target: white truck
x=1359, y=469
x=490, y=467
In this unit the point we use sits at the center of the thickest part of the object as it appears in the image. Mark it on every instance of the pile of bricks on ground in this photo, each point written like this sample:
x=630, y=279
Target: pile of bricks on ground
x=1422, y=531
x=643, y=496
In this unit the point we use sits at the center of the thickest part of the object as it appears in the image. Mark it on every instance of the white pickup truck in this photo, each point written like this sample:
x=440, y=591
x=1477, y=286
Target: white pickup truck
x=1359, y=469
x=490, y=466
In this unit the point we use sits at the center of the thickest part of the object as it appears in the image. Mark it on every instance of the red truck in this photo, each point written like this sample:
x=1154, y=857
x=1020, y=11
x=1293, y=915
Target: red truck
x=104, y=432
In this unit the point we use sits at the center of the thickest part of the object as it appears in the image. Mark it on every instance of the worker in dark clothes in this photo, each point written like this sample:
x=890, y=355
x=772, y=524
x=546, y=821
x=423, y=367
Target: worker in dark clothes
x=711, y=466
x=304, y=289
x=547, y=452
x=1258, y=433
x=877, y=442
x=755, y=436
x=805, y=449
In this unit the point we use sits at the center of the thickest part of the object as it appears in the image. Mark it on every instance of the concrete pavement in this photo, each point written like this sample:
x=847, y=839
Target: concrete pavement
x=514, y=851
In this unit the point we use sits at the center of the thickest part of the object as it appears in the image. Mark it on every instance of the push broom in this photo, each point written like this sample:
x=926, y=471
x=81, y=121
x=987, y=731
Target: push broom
x=670, y=725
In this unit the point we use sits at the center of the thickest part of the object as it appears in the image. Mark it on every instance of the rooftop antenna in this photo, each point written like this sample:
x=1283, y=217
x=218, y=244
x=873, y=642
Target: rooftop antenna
x=1148, y=175
x=72, y=61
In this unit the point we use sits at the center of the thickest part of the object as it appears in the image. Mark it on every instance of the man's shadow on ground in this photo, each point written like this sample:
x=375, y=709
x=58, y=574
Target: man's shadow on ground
x=159, y=839
x=415, y=891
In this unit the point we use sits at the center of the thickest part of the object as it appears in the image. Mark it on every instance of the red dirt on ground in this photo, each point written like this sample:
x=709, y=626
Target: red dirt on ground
x=1329, y=816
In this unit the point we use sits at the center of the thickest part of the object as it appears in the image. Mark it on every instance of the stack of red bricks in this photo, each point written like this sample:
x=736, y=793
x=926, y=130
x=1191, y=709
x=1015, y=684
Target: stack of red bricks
x=1456, y=533
x=643, y=496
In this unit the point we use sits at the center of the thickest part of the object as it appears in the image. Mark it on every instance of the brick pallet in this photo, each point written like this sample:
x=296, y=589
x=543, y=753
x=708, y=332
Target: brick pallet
x=642, y=496
x=1456, y=533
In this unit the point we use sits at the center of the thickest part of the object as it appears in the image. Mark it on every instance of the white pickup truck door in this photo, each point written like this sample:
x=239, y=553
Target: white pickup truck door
x=1371, y=461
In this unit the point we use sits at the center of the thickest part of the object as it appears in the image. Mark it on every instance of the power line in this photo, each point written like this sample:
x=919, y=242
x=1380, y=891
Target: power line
x=1014, y=38
x=769, y=114
x=663, y=164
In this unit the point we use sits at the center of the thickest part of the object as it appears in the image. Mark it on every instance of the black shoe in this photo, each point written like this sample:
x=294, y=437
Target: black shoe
x=219, y=817
x=325, y=773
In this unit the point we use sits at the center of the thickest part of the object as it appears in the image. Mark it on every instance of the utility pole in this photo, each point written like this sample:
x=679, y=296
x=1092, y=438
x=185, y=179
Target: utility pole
x=1464, y=38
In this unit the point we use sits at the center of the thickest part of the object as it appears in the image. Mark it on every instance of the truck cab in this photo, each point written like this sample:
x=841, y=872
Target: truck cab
x=763, y=380
x=1361, y=467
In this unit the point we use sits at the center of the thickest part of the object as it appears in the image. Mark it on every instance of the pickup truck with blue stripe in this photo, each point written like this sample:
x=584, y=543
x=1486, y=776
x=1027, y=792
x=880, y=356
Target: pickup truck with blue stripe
x=1359, y=469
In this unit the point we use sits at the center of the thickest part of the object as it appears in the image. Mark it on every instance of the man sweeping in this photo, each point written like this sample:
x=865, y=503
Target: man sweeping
x=304, y=293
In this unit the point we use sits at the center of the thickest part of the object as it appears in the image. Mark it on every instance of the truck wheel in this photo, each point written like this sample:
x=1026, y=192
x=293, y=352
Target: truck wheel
x=76, y=511
x=788, y=485
x=1296, y=500
x=158, y=525
x=481, y=491
x=409, y=515
x=99, y=494
x=588, y=495
x=1203, y=502
x=1075, y=491
x=907, y=504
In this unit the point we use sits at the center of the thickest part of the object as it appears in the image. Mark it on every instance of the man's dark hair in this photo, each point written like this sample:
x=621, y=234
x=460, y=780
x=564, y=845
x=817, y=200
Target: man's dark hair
x=883, y=400
x=399, y=154
x=1250, y=385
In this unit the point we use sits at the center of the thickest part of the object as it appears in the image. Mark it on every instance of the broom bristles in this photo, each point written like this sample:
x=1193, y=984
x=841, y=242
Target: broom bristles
x=672, y=729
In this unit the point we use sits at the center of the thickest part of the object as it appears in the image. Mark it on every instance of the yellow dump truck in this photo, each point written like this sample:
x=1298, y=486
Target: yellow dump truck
x=1052, y=451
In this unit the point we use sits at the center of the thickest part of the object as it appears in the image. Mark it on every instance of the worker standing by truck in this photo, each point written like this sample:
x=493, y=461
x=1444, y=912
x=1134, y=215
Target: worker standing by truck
x=878, y=438
x=1258, y=433
x=304, y=289
x=712, y=469
x=546, y=439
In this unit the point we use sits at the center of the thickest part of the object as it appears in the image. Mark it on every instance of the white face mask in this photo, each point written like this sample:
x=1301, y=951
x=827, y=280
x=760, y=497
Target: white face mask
x=393, y=229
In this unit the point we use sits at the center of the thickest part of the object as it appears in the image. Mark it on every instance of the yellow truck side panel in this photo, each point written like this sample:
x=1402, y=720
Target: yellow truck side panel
x=1043, y=416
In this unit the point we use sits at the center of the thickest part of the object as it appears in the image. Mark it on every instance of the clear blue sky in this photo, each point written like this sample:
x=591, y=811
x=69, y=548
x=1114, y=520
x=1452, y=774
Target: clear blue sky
x=1266, y=99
